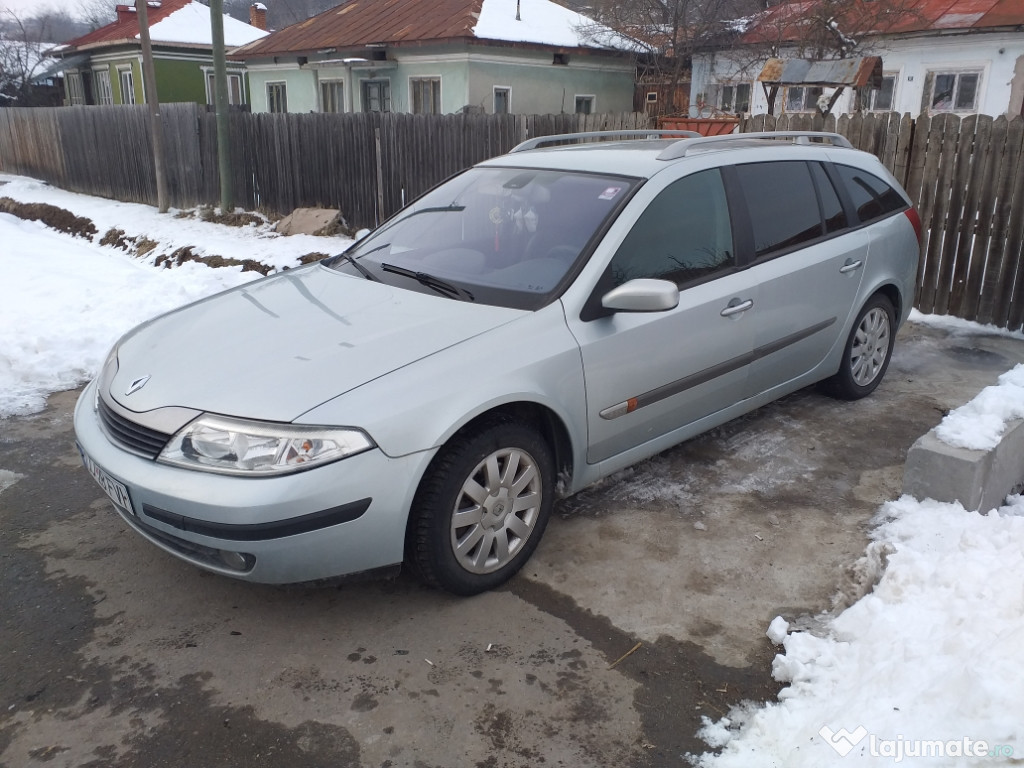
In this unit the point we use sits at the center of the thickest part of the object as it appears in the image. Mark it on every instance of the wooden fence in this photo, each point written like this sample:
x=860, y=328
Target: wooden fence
x=966, y=177
x=366, y=165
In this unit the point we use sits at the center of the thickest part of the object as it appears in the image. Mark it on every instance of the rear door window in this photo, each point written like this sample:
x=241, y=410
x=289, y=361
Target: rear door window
x=782, y=204
x=872, y=197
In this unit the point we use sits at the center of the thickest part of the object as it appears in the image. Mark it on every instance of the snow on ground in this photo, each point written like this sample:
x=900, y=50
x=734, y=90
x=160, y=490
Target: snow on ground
x=64, y=301
x=927, y=663
x=923, y=671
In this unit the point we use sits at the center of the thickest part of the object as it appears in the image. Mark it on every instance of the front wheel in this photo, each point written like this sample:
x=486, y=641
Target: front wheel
x=482, y=508
x=867, y=353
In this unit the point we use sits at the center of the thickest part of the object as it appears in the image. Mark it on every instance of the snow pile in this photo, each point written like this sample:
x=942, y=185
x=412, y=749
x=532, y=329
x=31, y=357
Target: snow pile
x=541, y=21
x=980, y=424
x=64, y=301
x=927, y=664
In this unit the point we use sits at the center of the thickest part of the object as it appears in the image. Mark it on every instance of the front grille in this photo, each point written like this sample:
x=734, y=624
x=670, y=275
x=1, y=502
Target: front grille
x=131, y=436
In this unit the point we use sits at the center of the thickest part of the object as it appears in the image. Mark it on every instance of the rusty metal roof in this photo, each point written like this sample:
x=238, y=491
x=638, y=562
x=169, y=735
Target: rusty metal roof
x=358, y=24
x=858, y=73
x=361, y=23
x=126, y=28
x=788, y=22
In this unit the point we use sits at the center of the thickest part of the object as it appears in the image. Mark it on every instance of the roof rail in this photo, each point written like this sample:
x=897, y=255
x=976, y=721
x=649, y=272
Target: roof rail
x=636, y=134
x=681, y=148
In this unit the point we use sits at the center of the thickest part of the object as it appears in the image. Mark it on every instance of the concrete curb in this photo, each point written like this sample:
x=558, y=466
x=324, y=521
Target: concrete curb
x=979, y=480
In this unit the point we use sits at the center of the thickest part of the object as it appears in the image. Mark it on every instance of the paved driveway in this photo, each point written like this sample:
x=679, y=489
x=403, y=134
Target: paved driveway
x=114, y=654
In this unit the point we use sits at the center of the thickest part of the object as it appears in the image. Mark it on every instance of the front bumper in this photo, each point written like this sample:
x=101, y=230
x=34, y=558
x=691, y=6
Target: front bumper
x=338, y=519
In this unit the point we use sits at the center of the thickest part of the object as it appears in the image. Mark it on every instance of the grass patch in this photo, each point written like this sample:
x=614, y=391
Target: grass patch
x=185, y=253
x=52, y=216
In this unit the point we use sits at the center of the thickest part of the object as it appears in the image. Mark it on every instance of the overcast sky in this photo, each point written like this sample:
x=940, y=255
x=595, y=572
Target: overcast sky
x=33, y=7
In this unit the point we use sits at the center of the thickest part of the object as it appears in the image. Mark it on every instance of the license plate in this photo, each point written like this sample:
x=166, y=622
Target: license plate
x=117, y=492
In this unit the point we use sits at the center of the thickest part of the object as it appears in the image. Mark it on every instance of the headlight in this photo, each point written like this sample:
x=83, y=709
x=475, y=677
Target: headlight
x=237, y=447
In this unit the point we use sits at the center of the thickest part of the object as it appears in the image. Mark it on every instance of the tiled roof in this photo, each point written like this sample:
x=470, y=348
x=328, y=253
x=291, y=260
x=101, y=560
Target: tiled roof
x=127, y=25
x=783, y=22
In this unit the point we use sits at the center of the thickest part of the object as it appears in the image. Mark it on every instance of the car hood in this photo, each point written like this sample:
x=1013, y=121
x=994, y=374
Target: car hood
x=275, y=348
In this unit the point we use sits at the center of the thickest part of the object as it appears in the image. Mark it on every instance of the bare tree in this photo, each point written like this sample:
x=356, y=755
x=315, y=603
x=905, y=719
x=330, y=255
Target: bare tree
x=827, y=29
x=96, y=13
x=669, y=33
x=23, y=45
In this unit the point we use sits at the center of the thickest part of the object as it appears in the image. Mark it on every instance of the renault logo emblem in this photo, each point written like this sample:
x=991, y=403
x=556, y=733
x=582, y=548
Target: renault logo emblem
x=138, y=384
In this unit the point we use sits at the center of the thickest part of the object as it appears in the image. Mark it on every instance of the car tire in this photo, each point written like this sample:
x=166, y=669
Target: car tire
x=867, y=352
x=482, y=507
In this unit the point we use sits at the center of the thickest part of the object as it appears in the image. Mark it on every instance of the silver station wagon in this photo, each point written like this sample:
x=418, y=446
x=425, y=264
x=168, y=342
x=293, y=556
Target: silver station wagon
x=526, y=328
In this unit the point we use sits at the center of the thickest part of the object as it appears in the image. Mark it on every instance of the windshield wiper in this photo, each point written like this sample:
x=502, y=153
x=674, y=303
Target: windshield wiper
x=424, y=278
x=362, y=270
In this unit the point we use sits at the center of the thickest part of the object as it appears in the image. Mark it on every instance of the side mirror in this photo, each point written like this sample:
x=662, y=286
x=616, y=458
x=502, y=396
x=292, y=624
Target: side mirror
x=642, y=295
x=360, y=234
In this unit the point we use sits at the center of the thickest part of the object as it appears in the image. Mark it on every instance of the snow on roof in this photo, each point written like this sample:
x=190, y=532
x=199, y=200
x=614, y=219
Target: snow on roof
x=191, y=25
x=544, y=22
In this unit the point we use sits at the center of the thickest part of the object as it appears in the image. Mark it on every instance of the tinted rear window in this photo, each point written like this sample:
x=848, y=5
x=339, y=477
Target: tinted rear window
x=782, y=203
x=872, y=197
x=835, y=217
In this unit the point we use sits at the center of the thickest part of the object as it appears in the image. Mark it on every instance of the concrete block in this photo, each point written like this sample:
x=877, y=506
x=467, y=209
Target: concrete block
x=979, y=480
x=306, y=221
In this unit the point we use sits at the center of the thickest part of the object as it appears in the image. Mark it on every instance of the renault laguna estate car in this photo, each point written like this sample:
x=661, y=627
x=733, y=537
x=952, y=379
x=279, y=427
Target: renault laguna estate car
x=529, y=326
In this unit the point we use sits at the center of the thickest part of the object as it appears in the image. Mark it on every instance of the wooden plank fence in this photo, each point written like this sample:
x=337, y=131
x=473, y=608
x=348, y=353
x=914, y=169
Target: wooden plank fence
x=966, y=176
x=366, y=165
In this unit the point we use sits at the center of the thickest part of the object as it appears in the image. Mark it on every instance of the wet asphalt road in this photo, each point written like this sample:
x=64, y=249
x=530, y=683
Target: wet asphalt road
x=113, y=654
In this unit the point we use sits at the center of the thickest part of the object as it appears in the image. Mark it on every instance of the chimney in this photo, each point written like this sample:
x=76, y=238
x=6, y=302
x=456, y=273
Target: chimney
x=258, y=16
x=125, y=13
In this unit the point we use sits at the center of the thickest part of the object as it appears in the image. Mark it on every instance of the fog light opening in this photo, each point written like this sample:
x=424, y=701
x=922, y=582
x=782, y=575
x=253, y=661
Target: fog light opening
x=237, y=561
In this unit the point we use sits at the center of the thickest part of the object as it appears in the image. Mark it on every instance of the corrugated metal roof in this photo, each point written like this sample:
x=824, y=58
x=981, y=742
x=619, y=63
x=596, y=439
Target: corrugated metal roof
x=359, y=23
x=787, y=21
x=127, y=25
x=853, y=72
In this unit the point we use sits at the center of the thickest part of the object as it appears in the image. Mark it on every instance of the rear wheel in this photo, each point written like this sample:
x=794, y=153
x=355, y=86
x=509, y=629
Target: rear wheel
x=482, y=508
x=867, y=353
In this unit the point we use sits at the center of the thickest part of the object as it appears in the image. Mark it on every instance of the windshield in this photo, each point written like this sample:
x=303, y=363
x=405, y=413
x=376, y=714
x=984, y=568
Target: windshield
x=504, y=236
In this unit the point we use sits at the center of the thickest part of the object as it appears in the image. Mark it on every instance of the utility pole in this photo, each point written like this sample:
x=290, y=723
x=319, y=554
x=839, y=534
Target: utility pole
x=220, y=87
x=149, y=80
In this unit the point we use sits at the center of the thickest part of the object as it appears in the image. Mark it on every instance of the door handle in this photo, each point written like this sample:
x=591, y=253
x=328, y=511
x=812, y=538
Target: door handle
x=736, y=306
x=850, y=266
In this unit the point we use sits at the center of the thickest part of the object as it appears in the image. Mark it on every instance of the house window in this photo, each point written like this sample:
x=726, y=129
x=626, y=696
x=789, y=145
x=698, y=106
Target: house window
x=879, y=99
x=234, y=88
x=332, y=96
x=376, y=96
x=584, y=105
x=802, y=98
x=502, y=100
x=426, y=95
x=735, y=98
x=76, y=90
x=126, y=79
x=954, y=91
x=101, y=83
x=277, y=97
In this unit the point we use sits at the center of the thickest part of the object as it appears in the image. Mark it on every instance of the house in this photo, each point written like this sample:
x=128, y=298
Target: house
x=442, y=56
x=105, y=66
x=960, y=56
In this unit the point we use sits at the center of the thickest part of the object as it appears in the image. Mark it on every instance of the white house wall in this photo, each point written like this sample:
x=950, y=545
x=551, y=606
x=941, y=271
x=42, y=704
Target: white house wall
x=998, y=57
